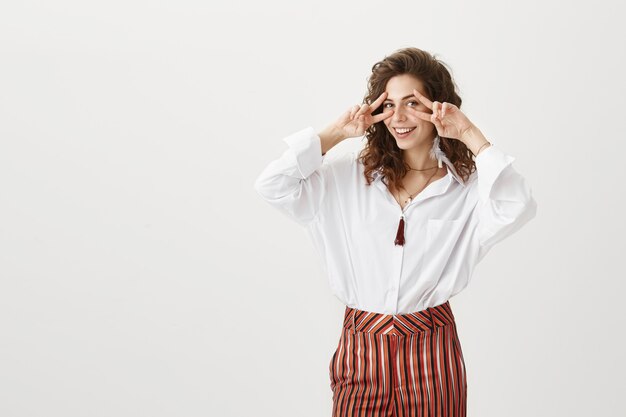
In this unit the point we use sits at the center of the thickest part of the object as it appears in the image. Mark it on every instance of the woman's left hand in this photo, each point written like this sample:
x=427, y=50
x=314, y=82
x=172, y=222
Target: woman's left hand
x=447, y=118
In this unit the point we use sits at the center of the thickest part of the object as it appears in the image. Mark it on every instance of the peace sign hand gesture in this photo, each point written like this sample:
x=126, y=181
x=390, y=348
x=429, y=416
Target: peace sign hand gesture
x=356, y=120
x=447, y=118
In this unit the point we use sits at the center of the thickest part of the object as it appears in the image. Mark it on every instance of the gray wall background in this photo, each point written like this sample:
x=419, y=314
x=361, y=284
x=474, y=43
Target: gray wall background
x=140, y=274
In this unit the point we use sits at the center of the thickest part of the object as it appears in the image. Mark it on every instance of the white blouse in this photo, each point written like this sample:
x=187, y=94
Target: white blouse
x=448, y=227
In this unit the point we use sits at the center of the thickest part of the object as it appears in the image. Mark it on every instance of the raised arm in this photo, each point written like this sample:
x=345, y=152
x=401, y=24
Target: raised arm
x=505, y=198
x=298, y=180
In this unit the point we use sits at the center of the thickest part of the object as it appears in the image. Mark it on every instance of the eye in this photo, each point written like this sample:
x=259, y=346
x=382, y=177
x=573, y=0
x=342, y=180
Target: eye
x=385, y=105
x=413, y=101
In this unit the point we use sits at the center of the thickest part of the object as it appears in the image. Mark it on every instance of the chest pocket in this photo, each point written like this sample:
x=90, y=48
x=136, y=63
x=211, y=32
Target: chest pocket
x=441, y=238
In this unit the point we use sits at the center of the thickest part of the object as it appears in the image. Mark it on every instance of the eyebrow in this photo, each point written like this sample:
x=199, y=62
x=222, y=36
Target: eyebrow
x=403, y=98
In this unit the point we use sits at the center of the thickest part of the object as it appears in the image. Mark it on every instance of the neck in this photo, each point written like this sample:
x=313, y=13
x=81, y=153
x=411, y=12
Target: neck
x=418, y=157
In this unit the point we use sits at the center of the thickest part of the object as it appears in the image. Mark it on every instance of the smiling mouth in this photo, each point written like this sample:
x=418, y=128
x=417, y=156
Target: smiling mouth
x=403, y=131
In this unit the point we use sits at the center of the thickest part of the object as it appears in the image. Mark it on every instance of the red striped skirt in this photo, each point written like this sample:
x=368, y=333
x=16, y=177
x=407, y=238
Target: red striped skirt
x=399, y=365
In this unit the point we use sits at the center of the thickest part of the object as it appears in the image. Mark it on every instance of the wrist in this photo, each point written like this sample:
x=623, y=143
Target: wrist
x=329, y=137
x=474, y=139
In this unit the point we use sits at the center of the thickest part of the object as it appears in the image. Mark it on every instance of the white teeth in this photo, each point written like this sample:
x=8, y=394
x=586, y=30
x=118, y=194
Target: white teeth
x=403, y=130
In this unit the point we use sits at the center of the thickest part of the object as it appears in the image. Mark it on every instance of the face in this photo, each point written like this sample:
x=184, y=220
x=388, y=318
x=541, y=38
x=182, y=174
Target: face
x=400, y=98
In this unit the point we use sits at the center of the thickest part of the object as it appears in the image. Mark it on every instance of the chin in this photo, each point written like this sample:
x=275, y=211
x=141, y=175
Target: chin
x=404, y=145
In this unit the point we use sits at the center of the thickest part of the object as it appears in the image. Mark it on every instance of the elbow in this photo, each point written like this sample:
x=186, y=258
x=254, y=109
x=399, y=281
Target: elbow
x=504, y=220
x=526, y=206
x=263, y=187
x=526, y=211
x=258, y=185
x=529, y=207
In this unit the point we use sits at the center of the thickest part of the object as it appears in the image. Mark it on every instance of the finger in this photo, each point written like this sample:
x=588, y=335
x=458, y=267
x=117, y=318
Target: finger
x=436, y=105
x=378, y=101
x=381, y=116
x=448, y=108
x=423, y=99
x=361, y=123
x=353, y=111
x=435, y=120
x=422, y=115
x=364, y=107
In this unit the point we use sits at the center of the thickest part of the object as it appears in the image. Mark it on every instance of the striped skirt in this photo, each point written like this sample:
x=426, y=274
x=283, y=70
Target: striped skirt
x=399, y=365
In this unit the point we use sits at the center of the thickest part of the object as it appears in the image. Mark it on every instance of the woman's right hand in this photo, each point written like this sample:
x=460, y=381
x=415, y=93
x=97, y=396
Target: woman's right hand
x=358, y=119
x=352, y=123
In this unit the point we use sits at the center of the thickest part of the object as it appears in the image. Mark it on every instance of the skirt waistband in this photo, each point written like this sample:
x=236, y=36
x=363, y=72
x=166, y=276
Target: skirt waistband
x=398, y=324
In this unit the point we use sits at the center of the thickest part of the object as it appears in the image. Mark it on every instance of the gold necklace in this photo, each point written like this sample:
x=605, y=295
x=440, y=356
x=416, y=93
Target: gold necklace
x=408, y=200
x=424, y=169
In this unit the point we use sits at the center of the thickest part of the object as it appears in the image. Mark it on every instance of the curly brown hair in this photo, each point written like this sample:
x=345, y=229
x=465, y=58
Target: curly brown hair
x=381, y=151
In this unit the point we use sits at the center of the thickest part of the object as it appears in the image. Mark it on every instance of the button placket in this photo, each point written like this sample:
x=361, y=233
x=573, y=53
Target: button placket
x=428, y=192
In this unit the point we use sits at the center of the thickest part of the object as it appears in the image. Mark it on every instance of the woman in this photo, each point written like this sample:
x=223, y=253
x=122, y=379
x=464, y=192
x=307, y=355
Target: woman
x=400, y=226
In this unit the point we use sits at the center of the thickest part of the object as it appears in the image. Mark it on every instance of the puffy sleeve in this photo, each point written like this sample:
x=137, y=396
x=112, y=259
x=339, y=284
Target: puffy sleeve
x=298, y=181
x=505, y=200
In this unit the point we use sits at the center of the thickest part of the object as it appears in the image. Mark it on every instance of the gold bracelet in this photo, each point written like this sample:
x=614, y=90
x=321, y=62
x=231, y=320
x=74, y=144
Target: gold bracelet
x=482, y=146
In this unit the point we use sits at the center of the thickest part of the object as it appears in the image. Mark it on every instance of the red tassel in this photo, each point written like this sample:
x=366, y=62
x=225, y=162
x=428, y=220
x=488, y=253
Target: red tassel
x=400, y=233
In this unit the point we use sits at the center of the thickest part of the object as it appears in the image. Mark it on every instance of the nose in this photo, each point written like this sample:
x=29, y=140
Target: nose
x=398, y=115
